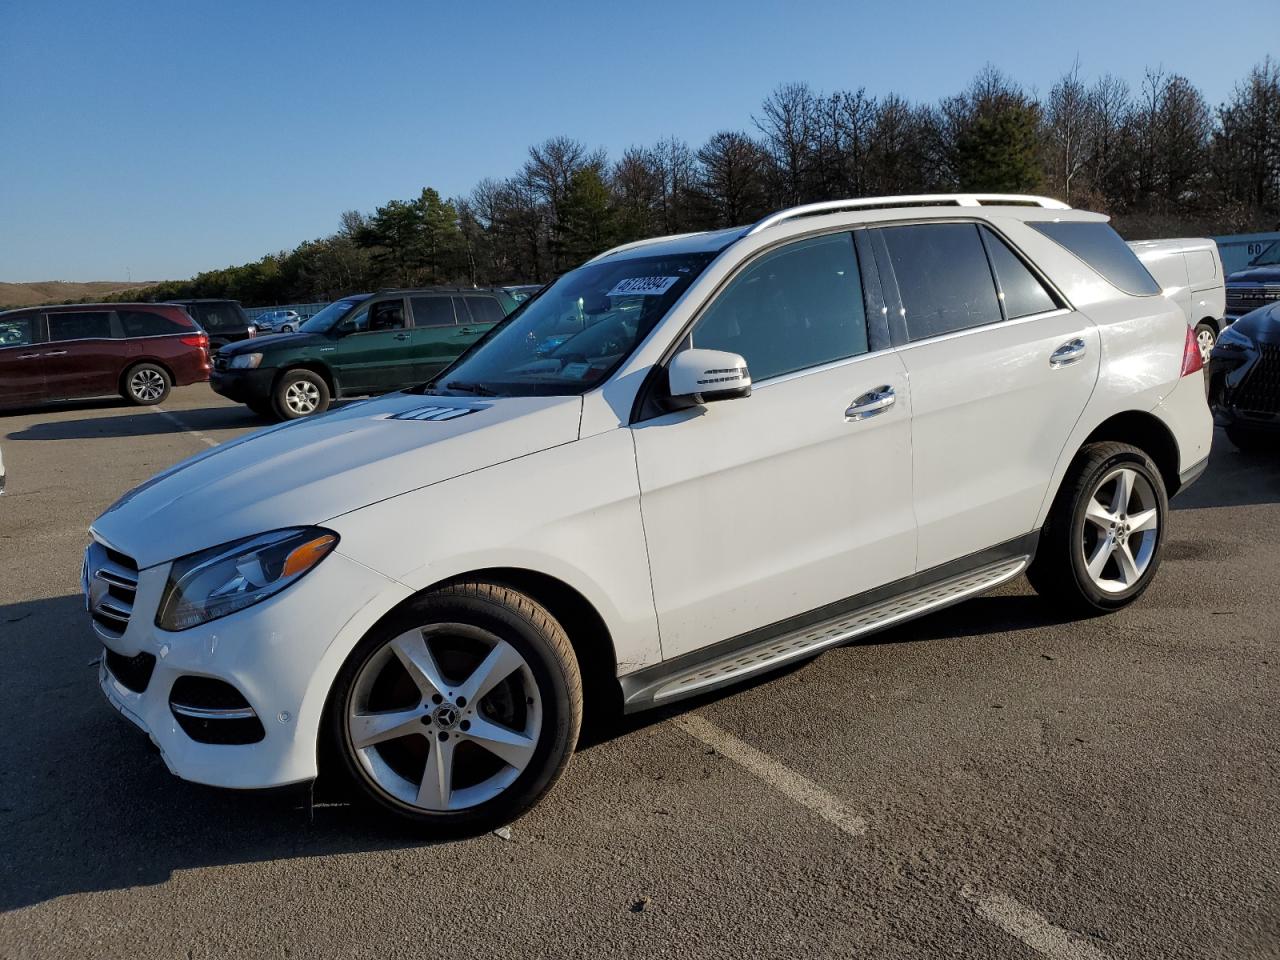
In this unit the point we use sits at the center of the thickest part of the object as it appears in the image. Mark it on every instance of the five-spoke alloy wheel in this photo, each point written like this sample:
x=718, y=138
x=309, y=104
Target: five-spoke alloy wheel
x=459, y=711
x=1100, y=546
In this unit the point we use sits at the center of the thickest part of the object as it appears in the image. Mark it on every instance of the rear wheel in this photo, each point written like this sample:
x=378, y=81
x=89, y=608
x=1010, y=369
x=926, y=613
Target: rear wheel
x=1206, y=337
x=146, y=384
x=1252, y=442
x=300, y=393
x=1101, y=546
x=459, y=712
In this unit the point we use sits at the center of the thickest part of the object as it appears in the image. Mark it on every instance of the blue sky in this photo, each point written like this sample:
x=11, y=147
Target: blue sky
x=158, y=139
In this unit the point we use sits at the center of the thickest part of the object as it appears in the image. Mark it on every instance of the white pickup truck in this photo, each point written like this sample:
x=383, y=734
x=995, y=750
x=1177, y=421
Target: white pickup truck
x=1190, y=272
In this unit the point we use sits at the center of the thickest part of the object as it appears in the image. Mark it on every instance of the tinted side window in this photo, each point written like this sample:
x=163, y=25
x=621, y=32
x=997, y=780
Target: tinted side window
x=386, y=315
x=17, y=331
x=139, y=323
x=432, y=311
x=80, y=326
x=943, y=276
x=797, y=307
x=1101, y=248
x=1021, y=290
x=460, y=308
x=485, y=309
x=218, y=316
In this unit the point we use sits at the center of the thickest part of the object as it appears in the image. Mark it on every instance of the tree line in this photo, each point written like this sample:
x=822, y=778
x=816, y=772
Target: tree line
x=1158, y=158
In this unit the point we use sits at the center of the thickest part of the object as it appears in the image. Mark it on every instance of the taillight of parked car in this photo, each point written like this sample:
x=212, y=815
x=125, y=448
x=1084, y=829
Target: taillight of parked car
x=1191, y=358
x=198, y=340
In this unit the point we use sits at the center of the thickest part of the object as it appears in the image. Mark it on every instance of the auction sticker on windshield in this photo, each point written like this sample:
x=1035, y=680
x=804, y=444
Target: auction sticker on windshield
x=642, y=287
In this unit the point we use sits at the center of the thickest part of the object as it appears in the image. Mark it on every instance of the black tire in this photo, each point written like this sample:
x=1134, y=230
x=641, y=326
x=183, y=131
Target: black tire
x=146, y=384
x=528, y=627
x=285, y=402
x=1059, y=572
x=1251, y=442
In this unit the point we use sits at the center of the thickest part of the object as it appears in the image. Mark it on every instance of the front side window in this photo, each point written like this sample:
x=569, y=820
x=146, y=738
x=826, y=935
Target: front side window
x=577, y=332
x=1020, y=289
x=387, y=315
x=89, y=325
x=17, y=331
x=943, y=277
x=1101, y=248
x=799, y=306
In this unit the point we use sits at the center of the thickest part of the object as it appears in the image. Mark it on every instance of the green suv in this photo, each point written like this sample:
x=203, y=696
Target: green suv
x=361, y=344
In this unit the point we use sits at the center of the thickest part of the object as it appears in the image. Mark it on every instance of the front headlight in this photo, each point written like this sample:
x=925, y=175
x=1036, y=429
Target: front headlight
x=213, y=583
x=245, y=361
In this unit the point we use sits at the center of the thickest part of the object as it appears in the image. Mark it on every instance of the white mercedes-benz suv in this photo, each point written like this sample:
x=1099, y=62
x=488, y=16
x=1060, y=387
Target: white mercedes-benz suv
x=688, y=461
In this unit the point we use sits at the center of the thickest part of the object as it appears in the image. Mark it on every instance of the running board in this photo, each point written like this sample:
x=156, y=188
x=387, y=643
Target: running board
x=805, y=642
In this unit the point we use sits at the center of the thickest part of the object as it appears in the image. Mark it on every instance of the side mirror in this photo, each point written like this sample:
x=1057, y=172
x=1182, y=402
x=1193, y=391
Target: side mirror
x=702, y=376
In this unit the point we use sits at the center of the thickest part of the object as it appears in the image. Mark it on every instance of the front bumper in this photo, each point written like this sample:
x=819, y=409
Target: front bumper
x=281, y=655
x=244, y=386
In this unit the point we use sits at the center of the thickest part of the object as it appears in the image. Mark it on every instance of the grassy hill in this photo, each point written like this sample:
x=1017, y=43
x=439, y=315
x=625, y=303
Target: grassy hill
x=56, y=291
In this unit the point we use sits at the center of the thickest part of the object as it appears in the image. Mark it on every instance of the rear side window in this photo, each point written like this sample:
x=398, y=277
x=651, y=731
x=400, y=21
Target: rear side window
x=89, y=325
x=1101, y=248
x=1020, y=289
x=943, y=277
x=143, y=323
x=219, y=316
x=432, y=311
x=17, y=331
x=797, y=307
x=485, y=309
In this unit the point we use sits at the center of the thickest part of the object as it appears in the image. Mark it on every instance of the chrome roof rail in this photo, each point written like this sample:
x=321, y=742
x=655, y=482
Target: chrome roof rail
x=918, y=200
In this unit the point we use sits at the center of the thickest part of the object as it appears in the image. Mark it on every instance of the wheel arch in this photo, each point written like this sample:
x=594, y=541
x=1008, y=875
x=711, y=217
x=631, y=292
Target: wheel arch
x=1148, y=433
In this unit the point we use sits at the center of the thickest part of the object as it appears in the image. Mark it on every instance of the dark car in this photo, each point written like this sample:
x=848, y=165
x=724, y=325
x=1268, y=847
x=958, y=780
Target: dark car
x=1244, y=380
x=1256, y=285
x=138, y=350
x=359, y=345
x=224, y=320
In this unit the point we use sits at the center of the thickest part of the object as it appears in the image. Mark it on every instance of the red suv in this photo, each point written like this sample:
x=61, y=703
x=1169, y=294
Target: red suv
x=138, y=350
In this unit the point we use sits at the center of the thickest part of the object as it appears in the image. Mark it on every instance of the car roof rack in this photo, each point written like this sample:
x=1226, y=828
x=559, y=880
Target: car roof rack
x=915, y=200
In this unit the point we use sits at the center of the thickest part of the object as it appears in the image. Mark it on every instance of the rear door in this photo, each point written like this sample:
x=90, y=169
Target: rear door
x=435, y=335
x=377, y=355
x=1000, y=369
x=85, y=355
x=21, y=363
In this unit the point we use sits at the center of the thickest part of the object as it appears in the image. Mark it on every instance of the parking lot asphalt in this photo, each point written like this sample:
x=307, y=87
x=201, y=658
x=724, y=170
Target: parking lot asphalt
x=986, y=782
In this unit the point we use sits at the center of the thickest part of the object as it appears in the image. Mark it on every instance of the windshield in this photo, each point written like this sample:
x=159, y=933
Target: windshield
x=576, y=332
x=1269, y=257
x=330, y=315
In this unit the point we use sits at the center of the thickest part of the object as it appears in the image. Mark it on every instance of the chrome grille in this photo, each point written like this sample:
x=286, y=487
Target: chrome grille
x=1243, y=297
x=110, y=584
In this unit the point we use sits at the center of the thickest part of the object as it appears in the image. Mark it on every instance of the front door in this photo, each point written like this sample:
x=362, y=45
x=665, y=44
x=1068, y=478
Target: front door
x=1000, y=372
x=21, y=363
x=376, y=356
x=767, y=507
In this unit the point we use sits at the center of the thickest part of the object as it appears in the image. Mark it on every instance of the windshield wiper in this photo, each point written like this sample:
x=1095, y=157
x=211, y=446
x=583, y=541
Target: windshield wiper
x=479, y=389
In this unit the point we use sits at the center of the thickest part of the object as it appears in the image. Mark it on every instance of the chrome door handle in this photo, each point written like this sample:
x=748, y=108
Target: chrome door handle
x=871, y=403
x=56, y=353
x=402, y=336
x=1069, y=352
x=27, y=356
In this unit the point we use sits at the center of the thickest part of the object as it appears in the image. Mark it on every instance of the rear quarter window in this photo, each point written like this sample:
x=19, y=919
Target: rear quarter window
x=144, y=323
x=1101, y=248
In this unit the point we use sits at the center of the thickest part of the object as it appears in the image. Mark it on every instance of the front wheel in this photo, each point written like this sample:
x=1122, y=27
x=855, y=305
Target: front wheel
x=300, y=393
x=1100, y=547
x=146, y=384
x=459, y=712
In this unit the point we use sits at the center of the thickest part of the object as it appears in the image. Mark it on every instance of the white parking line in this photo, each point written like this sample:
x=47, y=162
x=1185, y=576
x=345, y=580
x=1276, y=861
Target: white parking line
x=1004, y=912
x=1035, y=931
x=174, y=419
x=782, y=778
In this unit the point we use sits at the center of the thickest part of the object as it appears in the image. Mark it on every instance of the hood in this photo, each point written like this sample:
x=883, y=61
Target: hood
x=1256, y=275
x=258, y=344
x=310, y=471
x=1261, y=325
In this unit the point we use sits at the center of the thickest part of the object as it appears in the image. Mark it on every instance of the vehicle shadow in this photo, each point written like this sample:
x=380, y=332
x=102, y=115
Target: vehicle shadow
x=146, y=423
x=1233, y=479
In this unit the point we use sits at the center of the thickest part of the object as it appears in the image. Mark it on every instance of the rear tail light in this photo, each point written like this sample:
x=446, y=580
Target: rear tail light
x=199, y=340
x=1191, y=359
